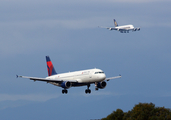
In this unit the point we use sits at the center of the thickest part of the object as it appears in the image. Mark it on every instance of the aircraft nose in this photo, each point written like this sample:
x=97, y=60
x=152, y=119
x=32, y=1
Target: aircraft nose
x=103, y=76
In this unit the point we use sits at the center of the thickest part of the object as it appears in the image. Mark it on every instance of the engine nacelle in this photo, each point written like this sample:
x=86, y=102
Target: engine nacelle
x=138, y=29
x=101, y=85
x=66, y=84
x=135, y=29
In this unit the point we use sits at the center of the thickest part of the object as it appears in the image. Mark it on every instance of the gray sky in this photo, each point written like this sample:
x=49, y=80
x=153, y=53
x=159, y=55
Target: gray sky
x=68, y=32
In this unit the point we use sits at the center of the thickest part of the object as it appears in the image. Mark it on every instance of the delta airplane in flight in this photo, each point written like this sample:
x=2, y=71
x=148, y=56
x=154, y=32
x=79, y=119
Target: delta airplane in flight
x=74, y=79
x=122, y=29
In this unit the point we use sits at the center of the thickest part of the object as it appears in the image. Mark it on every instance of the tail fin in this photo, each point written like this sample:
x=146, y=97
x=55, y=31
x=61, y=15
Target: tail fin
x=115, y=23
x=50, y=68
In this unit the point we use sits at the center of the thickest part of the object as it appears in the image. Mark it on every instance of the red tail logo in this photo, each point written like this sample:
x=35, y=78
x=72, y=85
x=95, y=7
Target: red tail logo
x=50, y=68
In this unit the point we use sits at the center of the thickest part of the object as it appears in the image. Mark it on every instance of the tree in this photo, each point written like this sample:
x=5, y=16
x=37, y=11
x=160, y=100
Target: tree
x=115, y=115
x=142, y=111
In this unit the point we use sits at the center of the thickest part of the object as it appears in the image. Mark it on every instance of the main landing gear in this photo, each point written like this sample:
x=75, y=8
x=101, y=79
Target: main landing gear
x=88, y=90
x=64, y=91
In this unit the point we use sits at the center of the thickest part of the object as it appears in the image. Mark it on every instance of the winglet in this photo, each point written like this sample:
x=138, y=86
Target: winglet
x=50, y=68
x=18, y=76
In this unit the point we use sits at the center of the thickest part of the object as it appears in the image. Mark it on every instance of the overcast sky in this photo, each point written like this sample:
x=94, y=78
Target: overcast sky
x=68, y=32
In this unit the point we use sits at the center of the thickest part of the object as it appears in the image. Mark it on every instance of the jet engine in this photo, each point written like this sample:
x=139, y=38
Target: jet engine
x=101, y=85
x=135, y=29
x=66, y=84
x=138, y=29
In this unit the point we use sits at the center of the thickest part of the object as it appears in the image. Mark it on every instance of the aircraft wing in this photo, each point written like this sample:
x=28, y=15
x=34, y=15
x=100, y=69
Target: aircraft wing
x=107, y=79
x=110, y=28
x=47, y=79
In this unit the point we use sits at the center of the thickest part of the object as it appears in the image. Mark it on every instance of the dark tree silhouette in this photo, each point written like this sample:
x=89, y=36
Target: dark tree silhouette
x=142, y=111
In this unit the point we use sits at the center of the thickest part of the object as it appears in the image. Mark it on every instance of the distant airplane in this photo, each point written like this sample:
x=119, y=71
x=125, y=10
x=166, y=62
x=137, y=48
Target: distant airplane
x=74, y=79
x=122, y=29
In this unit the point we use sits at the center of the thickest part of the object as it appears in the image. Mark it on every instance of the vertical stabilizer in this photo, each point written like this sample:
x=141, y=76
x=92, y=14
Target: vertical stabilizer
x=50, y=68
x=115, y=23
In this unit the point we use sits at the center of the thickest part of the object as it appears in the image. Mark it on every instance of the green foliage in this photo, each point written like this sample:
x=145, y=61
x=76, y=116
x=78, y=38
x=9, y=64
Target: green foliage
x=116, y=115
x=142, y=111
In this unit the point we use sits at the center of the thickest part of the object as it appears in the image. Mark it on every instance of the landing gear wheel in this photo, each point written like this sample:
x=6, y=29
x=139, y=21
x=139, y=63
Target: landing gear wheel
x=96, y=88
x=64, y=91
x=87, y=91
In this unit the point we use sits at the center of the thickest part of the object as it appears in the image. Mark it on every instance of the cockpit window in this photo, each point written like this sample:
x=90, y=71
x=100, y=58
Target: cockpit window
x=98, y=72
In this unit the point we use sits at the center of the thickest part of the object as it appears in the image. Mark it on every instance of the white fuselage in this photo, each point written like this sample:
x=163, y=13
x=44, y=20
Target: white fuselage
x=83, y=76
x=125, y=27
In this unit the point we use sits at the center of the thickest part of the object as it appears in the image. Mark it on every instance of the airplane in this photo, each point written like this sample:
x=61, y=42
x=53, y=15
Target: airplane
x=122, y=29
x=74, y=79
